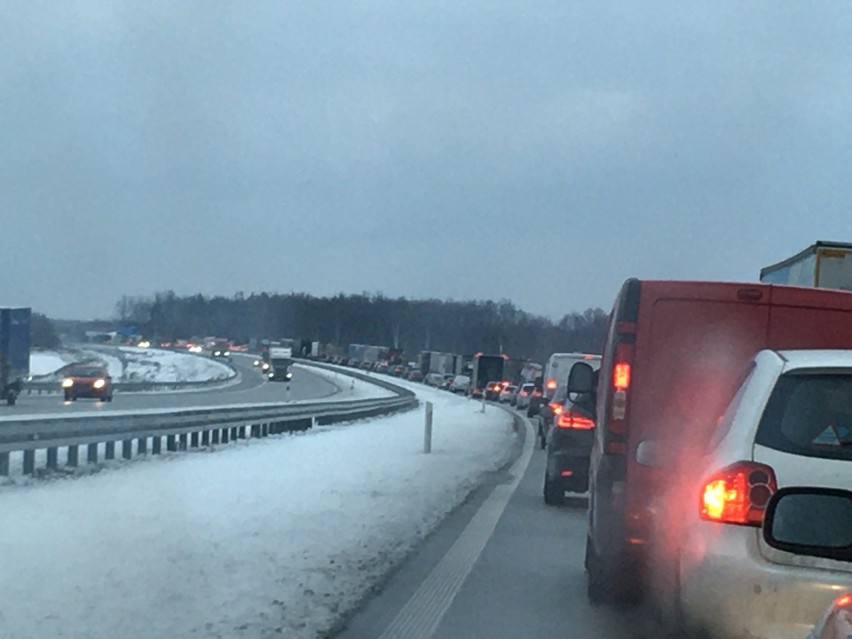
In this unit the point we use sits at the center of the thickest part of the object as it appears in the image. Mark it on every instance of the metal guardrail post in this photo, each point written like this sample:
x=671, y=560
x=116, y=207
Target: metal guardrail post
x=193, y=440
x=205, y=438
x=127, y=449
x=142, y=446
x=427, y=434
x=73, y=456
x=92, y=454
x=109, y=450
x=171, y=444
x=4, y=464
x=156, y=445
x=52, y=458
x=29, y=462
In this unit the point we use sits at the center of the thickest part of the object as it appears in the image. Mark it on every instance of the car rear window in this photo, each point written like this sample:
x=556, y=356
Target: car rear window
x=810, y=414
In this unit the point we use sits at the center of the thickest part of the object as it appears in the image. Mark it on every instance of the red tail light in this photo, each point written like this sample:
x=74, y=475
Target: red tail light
x=571, y=419
x=551, y=384
x=621, y=376
x=555, y=408
x=738, y=494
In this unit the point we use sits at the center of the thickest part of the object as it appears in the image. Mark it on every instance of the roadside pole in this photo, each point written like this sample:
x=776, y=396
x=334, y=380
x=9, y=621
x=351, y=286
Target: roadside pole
x=427, y=433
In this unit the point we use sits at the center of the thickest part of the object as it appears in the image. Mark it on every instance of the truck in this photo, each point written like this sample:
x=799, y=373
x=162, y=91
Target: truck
x=675, y=354
x=434, y=362
x=280, y=358
x=486, y=368
x=14, y=352
x=821, y=265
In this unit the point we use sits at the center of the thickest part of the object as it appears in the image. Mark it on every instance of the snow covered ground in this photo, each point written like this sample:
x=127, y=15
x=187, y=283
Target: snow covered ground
x=273, y=537
x=130, y=364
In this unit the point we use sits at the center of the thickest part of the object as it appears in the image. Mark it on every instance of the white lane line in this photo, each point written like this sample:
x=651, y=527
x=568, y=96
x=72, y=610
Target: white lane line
x=421, y=615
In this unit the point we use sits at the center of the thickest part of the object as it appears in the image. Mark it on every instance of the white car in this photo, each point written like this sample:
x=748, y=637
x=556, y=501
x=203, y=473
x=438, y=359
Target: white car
x=460, y=384
x=524, y=394
x=434, y=379
x=789, y=425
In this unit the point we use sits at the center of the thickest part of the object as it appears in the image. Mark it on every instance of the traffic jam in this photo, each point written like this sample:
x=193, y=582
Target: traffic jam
x=711, y=443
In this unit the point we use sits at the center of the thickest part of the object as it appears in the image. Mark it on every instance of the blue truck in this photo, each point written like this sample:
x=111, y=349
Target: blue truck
x=14, y=352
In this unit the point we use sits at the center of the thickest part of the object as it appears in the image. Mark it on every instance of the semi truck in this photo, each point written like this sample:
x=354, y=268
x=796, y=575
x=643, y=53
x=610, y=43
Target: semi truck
x=486, y=368
x=280, y=358
x=14, y=352
x=821, y=265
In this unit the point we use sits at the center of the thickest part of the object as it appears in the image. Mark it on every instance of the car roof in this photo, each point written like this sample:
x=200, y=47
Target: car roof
x=816, y=358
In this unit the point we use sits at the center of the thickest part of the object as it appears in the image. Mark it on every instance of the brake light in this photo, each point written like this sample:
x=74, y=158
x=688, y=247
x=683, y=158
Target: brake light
x=738, y=494
x=621, y=376
x=551, y=384
x=555, y=408
x=843, y=601
x=570, y=419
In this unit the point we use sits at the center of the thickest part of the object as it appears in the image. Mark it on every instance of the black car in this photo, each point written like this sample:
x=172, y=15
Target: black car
x=569, y=448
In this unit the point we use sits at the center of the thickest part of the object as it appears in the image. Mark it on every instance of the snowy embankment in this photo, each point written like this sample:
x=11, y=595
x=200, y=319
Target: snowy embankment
x=129, y=364
x=273, y=537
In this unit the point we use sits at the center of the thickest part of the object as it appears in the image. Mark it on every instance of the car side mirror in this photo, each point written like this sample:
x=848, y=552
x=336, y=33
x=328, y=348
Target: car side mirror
x=810, y=521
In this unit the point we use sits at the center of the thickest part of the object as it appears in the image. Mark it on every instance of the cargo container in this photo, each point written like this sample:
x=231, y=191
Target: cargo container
x=14, y=351
x=821, y=265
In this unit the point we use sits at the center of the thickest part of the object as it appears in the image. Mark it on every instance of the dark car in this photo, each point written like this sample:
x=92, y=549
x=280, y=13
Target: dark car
x=547, y=413
x=493, y=390
x=89, y=380
x=220, y=351
x=569, y=448
x=415, y=376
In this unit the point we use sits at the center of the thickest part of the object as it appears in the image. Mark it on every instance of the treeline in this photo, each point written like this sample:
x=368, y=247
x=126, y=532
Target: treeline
x=413, y=325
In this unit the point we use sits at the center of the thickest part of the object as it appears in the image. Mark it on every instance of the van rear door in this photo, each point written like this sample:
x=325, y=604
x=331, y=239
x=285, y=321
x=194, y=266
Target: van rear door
x=809, y=318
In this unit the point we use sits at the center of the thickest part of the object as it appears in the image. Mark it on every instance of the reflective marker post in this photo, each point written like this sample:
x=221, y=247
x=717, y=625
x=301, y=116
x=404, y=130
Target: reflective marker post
x=427, y=434
x=483, y=402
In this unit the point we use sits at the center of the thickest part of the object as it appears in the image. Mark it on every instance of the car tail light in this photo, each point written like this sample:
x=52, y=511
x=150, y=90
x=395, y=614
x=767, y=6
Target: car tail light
x=572, y=419
x=621, y=376
x=551, y=384
x=738, y=494
x=555, y=407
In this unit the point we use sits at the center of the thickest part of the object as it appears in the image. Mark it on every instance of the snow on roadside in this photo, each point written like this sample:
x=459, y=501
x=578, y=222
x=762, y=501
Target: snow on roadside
x=130, y=364
x=155, y=365
x=47, y=362
x=277, y=537
x=350, y=388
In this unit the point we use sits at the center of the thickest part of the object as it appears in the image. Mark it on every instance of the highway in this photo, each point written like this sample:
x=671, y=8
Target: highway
x=528, y=580
x=251, y=388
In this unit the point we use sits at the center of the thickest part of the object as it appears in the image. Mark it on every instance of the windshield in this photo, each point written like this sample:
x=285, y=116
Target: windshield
x=86, y=372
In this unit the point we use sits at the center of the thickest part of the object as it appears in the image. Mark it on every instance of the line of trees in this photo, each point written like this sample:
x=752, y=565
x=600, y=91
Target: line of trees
x=413, y=325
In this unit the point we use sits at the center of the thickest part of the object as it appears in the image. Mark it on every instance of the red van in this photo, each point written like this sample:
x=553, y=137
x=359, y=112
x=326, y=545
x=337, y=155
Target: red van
x=674, y=355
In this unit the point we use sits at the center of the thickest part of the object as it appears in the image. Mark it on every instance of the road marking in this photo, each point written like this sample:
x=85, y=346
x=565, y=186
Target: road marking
x=420, y=616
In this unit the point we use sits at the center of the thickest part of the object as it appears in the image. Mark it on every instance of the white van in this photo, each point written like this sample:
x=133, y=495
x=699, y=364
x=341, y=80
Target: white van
x=559, y=367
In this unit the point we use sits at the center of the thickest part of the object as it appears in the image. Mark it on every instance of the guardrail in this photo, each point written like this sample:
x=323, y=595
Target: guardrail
x=182, y=428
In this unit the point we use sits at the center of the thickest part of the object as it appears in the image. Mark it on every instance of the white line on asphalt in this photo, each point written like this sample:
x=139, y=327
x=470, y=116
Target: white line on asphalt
x=420, y=616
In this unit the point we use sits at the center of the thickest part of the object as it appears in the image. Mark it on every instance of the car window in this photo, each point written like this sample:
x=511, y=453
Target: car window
x=87, y=372
x=810, y=414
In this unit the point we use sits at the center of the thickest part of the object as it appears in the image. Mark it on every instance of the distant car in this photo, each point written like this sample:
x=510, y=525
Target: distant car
x=87, y=380
x=382, y=368
x=396, y=371
x=415, y=376
x=434, y=379
x=548, y=413
x=220, y=351
x=506, y=393
x=460, y=384
x=279, y=374
x=447, y=382
x=524, y=392
x=788, y=425
x=366, y=366
x=493, y=390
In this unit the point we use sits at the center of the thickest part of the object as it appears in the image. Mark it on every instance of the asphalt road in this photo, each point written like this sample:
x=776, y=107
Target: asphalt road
x=252, y=388
x=527, y=582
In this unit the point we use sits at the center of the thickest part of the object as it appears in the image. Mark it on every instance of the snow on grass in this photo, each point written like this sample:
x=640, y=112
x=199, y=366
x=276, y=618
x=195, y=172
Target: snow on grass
x=130, y=364
x=154, y=365
x=47, y=362
x=274, y=537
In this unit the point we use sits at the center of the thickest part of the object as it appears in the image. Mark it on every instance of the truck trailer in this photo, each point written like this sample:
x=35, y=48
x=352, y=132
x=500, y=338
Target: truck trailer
x=14, y=352
x=821, y=265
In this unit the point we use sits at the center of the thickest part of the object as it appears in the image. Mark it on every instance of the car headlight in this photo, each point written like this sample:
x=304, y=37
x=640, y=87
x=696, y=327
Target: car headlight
x=99, y=383
x=67, y=382
x=289, y=376
x=271, y=375
x=257, y=362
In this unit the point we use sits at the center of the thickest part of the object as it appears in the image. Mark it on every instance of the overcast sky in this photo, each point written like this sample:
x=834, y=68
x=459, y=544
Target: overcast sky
x=536, y=151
